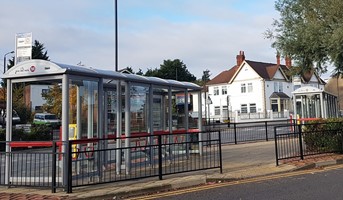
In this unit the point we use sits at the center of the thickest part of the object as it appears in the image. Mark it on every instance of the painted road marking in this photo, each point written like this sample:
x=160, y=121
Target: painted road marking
x=243, y=181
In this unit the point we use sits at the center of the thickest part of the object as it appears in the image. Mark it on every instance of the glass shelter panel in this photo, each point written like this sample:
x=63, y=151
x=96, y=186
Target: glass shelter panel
x=158, y=113
x=37, y=103
x=111, y=108
x=84, y=107
x=167, y=121
x=139, y=97
x=180, y=109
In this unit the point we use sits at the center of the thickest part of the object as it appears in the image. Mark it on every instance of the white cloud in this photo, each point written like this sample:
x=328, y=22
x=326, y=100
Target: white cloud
x=204, y=34
x=201, y=44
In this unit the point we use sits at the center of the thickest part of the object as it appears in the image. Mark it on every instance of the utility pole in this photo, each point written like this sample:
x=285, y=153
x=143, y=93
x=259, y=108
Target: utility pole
x=116, y=33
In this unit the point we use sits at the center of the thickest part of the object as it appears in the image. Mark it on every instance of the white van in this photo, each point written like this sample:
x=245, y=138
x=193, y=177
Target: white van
x=47, y=119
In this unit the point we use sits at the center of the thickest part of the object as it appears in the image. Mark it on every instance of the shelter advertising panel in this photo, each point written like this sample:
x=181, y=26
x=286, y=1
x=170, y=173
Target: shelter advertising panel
x=23, y=44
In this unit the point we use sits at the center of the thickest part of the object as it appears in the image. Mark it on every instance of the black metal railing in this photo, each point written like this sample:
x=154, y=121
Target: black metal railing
x=248, y=131
x=97, y=161
x=307, y=139
x=101, y=161
x=31, y=164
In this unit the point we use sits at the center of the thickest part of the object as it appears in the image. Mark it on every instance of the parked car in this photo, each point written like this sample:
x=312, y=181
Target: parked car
x=47, y=119
x=15, y=117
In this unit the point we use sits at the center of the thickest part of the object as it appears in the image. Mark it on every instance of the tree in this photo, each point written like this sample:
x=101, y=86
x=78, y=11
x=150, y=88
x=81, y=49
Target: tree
x=37, y=53
x=129, y=69
x=172, y=69
x=152, y=72
x=53, y=100
x=140, y=72
x=204, y=78
x=310, y=32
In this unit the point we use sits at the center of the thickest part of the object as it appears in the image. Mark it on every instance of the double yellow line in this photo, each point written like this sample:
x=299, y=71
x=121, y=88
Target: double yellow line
x=243, y=181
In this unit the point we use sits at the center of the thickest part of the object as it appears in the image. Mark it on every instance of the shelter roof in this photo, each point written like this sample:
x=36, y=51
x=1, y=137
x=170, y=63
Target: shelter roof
x=307, y=89
x=36, y=68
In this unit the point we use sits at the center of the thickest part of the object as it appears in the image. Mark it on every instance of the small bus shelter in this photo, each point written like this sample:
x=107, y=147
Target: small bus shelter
x=98, y=103
x=311, y=102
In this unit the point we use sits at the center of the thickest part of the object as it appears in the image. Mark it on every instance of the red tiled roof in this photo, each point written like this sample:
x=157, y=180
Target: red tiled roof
x=265, y=70
x=224, y=76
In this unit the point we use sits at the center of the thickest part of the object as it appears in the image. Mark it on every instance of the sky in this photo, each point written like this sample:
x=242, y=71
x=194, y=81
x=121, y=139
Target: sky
x=204, y=34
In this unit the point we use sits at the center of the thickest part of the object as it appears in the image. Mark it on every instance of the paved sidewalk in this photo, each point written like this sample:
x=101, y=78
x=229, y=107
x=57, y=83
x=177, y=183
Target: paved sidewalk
x=239, y=162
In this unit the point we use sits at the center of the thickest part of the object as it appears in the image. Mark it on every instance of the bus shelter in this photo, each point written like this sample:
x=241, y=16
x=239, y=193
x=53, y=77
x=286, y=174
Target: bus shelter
x=98, y=103
x=311, y=102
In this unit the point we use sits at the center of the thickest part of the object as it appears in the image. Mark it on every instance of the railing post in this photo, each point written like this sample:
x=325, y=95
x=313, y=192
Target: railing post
x=266, y=127
x=276, y=147
x=235, y=132
x=300, y=142
x=53, y=178
x=159, y=156
x=220, y=152
x=69, y=167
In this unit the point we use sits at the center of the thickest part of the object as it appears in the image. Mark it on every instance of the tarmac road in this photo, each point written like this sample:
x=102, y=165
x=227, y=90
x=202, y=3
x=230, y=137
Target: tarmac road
x=305, y=185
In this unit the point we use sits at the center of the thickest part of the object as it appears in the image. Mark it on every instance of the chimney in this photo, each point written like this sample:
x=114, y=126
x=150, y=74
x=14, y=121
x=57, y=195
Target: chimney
x=288, y=62
x=240, y=58
x=278, y=58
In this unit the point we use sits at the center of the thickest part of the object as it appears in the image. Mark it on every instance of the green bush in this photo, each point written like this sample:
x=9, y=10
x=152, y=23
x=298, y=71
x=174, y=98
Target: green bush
x=24, y=114
x=38, y=133
x=17, y=135
x=323, y=135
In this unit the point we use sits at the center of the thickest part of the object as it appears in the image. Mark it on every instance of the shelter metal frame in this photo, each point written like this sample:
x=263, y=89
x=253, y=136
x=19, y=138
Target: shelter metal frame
x=311, y=102
x=94, y=84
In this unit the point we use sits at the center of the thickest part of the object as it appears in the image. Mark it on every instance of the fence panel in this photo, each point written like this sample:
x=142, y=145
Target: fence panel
x=248, y=131
x=96, y=161
x=307, y=139
x=101, y=161
x=31, y=166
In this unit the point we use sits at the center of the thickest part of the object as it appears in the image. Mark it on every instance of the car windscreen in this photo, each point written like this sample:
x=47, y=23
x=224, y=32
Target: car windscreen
x=50, y=116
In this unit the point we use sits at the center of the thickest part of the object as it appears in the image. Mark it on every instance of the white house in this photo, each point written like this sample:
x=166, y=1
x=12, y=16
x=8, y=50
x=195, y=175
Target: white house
x=33, y=96
x=253, y=89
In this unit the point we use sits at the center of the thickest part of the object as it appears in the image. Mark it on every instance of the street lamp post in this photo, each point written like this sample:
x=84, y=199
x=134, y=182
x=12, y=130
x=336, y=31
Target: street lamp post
x=5, y=59
x=116, y=33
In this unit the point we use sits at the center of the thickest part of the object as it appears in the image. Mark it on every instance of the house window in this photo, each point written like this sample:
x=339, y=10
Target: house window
x=216, y=91
x=243, y=88
x=244, y=108
x=252, y=107
x=224, y=90
x=250, y=87
x=224, y=111
x=278, y=87
x=45, y=91
x=216, y=110
x=274, y=103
